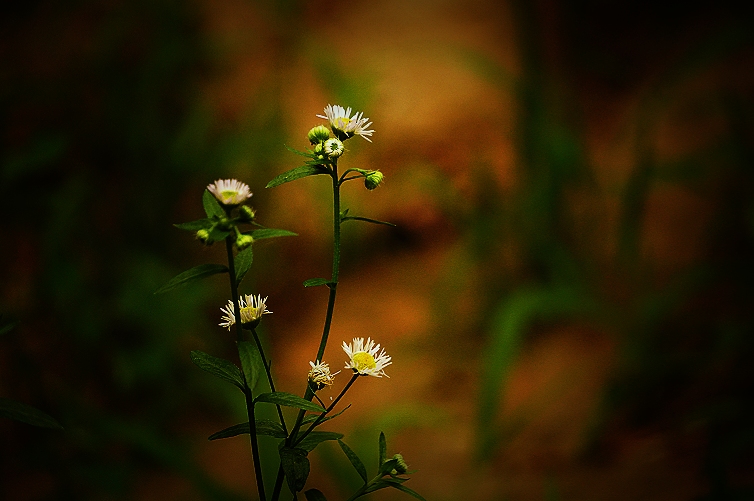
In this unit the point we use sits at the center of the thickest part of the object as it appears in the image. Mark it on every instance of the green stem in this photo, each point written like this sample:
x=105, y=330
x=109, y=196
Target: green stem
x=327, y=411
x=364, y=488
x=269, y=377
x=247, y=390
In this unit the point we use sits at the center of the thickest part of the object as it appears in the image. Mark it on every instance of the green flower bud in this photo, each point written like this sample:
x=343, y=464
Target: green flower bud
x=401, y=466
x=243, y=241
x=373, y=179
x=247, y=213
x=318, y=134
x=203, y=237
x=333, y=148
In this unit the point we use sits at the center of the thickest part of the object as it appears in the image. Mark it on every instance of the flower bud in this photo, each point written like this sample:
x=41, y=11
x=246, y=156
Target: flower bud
x=373, y=179
x=318, y=134
x=203, y=236
x=247, y=213
x=243, y=241
x=401, y=467
x=333, y=148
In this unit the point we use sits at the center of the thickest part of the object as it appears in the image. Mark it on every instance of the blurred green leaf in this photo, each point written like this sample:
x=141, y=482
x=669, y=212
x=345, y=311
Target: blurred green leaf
x=188, y=276
x=219, y=367
x=264, y=427
x=314, y=282
x=211, y=206
x=297, y=173
x=8, y=326
x=383, y=448
x=313, y=439
x=199, y=224
x=242, y=263
x=354, y=459
x=18, y=411
x=251, y=362
x=405, y=489
x=314, y=495
x=296, y=467
x=368, y=220
x=289, y=400
x=271, y=233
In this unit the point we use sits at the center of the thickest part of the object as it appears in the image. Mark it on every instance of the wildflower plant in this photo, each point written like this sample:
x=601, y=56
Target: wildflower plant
x=231, y=220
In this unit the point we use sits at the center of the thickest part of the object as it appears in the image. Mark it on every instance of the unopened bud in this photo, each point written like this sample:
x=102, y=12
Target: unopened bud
x=318, y=134
x=401, y=467
x=373, y=179
x=203, y=237
x=333, y=148
x=243, y=241
x=247, y=213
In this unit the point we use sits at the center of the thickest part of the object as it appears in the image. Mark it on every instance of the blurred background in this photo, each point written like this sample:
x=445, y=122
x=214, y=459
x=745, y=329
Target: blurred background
x=567, y=296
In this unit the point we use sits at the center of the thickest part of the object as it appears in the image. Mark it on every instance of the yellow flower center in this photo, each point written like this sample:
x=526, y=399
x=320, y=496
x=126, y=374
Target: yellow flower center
x=341, y=123
x=228, y=194
x=363, y=361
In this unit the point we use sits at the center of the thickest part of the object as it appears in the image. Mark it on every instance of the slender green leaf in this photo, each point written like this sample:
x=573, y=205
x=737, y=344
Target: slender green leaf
x=289, y=400
x=297, y=173
x=242, y=263
x=271, y=233
x=188, y=276
x=314, y=282
x=217, y=234
x=224, y=369
x=405, y=489
x=211, y=206
x=383, y=448
x=24, y=413
x=199, y=224
x=264, y=427
x=311, y=418
x=368, y=220
x=315, y=438
x=299, y=152
x=354, y=459
x=296, y=467
x=231, y=431
x=314, y=495
x=251, y=362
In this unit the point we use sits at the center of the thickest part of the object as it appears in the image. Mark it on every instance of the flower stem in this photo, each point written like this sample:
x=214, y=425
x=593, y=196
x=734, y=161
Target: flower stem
x=269, y=377
x=330, y=408
x=247, y=390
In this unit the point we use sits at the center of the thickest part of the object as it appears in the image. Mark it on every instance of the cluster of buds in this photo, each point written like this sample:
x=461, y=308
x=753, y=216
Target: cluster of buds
x=230, y=194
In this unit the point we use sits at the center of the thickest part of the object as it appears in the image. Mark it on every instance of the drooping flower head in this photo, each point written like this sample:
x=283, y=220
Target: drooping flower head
x=252, y=309
x=230, y=192
x=364, y=359
x=344, y=125
x=320, y=376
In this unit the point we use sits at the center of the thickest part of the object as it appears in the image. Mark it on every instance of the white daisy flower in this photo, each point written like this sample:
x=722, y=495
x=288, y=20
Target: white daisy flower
x=230, y=192
x=364, y=359
x=252, y=309
x=320, y=376
x=344, y=125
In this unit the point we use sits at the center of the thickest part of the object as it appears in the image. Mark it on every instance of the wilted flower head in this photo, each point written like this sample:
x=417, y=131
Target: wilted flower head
x=320, y=376
x=364, y=359
x=252, y=309
x=230, y=192
x=344, y=125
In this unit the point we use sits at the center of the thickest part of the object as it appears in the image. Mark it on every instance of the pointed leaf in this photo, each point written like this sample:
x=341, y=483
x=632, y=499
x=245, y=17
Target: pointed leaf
x=242, y=263
x=224, y=369
x=264, y=427
x=314, y=495
x=354, y=459
x=297, y=173
x=211, y=206
x=251, y=362
x=407, y=491
x=315, y=438
x=271, y=233
x=18, y=411
x=298, y=152
x=296, y=467
x=314, y=282
x=188, y=276
x=383, y=448
x=199, y=224
x=311, y=418
x=368, y=220
x=289, y=400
